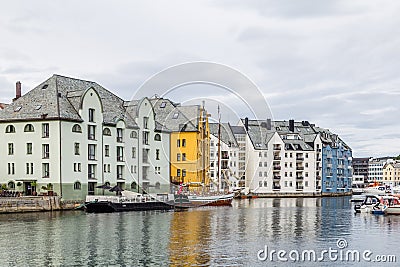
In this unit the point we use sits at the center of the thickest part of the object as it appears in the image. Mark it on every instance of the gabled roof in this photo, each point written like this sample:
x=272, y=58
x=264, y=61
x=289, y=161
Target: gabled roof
x=175, y=118
x=60, y=97
x=227, y=135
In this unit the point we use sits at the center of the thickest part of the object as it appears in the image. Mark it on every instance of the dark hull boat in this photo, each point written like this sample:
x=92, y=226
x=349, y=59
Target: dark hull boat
x=129, y=202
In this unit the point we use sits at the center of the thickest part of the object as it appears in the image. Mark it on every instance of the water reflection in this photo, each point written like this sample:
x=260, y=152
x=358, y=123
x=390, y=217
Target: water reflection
x=228, y=236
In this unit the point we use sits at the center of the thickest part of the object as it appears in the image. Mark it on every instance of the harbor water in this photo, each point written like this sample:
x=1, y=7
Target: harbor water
x=241, y=235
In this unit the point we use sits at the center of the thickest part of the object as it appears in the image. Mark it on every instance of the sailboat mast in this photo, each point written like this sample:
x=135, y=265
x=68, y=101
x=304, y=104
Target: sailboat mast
x=219, y=151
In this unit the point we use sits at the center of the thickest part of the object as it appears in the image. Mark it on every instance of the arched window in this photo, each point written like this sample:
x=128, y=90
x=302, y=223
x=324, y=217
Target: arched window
x=157, y=186
x=11, y=185
x=133, y=134
x=107, y=183
x=29, y=128
x=77, y=186
x=76, y=128
x=157, y=137
x=10, y=129
x=107, y=132
x=134, y=185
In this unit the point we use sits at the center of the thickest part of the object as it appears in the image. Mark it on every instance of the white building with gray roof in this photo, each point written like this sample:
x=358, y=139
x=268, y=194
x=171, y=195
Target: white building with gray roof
x=71, y=135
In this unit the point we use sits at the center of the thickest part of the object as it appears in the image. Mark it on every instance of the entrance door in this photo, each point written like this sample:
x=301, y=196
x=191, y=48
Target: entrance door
x=27, y=189
x=91, y=187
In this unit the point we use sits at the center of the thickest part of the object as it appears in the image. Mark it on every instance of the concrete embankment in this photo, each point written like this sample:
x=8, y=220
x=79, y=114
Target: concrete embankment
x=291, y=195
x=32, y=204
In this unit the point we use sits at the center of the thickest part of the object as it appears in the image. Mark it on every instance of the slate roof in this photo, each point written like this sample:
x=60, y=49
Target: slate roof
x=238, y=130
x=59, y=97
x=172, y=117
x=227, y=135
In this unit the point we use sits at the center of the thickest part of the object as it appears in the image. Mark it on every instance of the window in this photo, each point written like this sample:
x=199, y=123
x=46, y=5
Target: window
x=91, y=114
x=265, y=154
x=259, y=154
x=119, y=135
x=260, y=174
x=306, y=164
x=260, y=183
x=76, y=128
x=11, y=185
x=157, y=137
x=157, y=154
x=91, y=171
x=120, y=153
x=120, y=170
x=265, y=174
x=178, y=172
x=265, y=164
x=145, y=122
x=184, y=142
x=106, y=150
x=157, y=186
x=46, y=151
x=133, y=152
x=10, y=129
x=260, y=164
x=77, y=167
x=178, y=143
x=76, y=148
x=29, y=128
x=145, y=138
x=29, y=168
x=29, y=148
x=11, y=168
x=91, y=132
x=10, y=148
x=178, y=157
x=183, y=156
x=133, y=185
x=163, y=104
x=46, y=170
x=133, y=134
x=175, y=116
x=265, y=184
x=77, y=186
x=91, y=152
x=45, y=130
x=146, y=155
x=184, y=173
x=107, y=132
x=157, y=170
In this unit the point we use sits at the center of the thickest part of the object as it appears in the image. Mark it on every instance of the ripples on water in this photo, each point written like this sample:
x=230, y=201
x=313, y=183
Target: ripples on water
x=217, y=236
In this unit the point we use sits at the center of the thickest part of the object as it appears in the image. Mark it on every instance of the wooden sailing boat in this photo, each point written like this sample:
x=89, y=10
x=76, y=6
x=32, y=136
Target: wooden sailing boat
x=207, y=198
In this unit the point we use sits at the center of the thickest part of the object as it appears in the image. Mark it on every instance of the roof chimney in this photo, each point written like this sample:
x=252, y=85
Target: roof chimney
x=246, y=124
x=269, y=124
x=17, y=90
x=291, y=125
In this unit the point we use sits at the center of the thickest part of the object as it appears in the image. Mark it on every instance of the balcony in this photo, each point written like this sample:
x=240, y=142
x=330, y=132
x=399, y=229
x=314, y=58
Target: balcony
x=340, y=166
x=276, y=187
x=120, y=158
x=329, y=174
x=329, y=165
x=318, y=187
x=176, y=179
x=328, y=155
x=119, y=139
x=318, y=177
x=277, y=177
x=298, y=158
x=277, y=168
x=299, y=188
x=299, y=168
x=277, y=158
x=299, y=177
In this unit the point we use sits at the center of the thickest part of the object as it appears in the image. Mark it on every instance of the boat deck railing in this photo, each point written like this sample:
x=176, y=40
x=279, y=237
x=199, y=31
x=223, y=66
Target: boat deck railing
x=136, y=199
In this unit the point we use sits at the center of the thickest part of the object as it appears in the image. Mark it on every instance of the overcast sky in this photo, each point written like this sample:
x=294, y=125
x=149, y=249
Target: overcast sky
x=334, y=63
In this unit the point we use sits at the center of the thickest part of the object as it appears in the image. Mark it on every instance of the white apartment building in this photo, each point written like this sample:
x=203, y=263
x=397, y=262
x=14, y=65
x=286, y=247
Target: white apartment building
x=72, y=135
x=375, y=168
x=228, y=176
x=281, y=157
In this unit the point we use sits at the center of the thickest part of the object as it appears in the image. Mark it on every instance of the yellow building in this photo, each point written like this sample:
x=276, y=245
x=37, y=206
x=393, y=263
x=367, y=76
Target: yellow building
x=189, y=141
x=391, y=173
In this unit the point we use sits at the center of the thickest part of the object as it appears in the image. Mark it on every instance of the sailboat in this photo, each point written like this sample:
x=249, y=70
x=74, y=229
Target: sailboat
x=206, y=197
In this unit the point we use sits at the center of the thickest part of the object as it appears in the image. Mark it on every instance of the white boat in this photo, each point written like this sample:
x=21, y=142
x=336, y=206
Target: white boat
x=376, y=190
x=376, y=204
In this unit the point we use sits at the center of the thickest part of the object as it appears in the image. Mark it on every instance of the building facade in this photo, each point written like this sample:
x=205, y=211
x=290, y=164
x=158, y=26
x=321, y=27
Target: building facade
x=391, y=174
x=375, y=168
x=360, y=167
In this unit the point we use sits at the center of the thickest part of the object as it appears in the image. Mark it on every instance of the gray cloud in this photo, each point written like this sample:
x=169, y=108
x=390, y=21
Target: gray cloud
x=334, y=63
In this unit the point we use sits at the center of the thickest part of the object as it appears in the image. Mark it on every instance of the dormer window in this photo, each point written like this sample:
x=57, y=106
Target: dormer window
x=175, y=116
x=17, y=109
x=157, y=137
x=163, y=104
x=133, y=134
